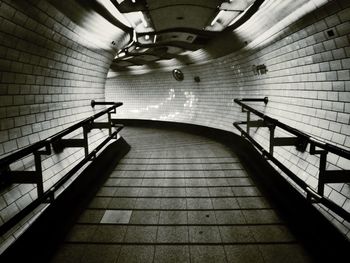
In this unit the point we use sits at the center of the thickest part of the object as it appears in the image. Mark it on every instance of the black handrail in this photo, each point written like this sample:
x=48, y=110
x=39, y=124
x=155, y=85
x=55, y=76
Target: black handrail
x=300, y=141
x=94, y=103
x=326, y=146
x=48, y=196
x=40, y=144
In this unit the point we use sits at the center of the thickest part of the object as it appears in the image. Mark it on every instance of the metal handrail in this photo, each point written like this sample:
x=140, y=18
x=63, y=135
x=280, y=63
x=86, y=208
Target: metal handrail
x=300, y=141
x=326, y=146
x=36, y=176
x=40, y=144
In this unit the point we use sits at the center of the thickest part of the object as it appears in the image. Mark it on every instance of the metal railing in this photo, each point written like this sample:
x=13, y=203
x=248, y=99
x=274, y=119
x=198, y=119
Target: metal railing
x=300, y=140
x=58, y=144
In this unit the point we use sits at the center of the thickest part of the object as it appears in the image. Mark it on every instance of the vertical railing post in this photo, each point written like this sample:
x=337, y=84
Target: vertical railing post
x=322, y=169
x=272, y=137
x=86, y=129
x=110, y=124
x=39, y=173
x=248, y=122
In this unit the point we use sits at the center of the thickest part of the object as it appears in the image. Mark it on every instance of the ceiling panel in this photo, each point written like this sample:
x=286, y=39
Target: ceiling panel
x=154, y=4
x=182, y=16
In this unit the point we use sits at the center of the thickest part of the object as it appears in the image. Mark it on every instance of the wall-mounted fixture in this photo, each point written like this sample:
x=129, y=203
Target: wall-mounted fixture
x=330, y=33
x=259, y=69
x=197, y=79
x=178, y=75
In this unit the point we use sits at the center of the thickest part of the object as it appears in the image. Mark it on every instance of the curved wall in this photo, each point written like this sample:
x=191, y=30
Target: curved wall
x=49, y=71
x=308, y=85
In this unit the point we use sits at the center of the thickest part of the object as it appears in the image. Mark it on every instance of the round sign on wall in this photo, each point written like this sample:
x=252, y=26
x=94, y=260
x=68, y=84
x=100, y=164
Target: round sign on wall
x=178, y=75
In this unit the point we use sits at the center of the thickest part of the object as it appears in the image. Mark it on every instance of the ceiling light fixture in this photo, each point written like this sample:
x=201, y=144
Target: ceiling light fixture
x=146, y=37
x=143, y=19
x=121, y=54
x=239, y=16
x=217, y=17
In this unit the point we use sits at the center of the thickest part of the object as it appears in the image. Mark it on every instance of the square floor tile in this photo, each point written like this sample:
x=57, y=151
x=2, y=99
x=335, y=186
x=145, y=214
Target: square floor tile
x=173, y=217
x=207, y=254
x=230, y=217
x=101, y=253
x=144, y=217
x=127, y=191
x=91, y=216
x=286, y=253
x=225, y=203
x=267, y=216
x=122, y=203
x=69, y=253
x=272, y=233
x=136, y=254
x=147, y=203
x=81, y=233
x=253, y=202
x=106, y=191
x=236, y=234
x=172, y=234
x=244, y=254
x=201, y=217
x=239, y=181
x=141, y=234
x=246, y=191
x=220, y=191
x=204, y=234
x=109, y=234
x=150, y=192
x=173, y=203
x=199, y=203
x=217, y=182
x=99, y=202
x=172, y=254
x=197, y=192
x=116, y=217
x=174, y=192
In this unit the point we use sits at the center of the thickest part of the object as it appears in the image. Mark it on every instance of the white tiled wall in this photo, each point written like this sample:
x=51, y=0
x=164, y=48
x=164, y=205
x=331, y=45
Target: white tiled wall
x=47, y=80
x=308, y=85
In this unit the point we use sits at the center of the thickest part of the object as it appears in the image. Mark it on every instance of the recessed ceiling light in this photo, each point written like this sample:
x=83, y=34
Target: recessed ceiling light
x=146, y=37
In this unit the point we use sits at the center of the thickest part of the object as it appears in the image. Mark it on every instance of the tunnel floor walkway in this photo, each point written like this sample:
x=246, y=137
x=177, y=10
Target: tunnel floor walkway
x=179, y=197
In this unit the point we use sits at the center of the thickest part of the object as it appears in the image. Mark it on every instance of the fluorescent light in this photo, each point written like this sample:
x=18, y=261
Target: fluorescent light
x=239, y=16
x=112, y=10
x=121, y=54
x=217, y=17
x=144, y=22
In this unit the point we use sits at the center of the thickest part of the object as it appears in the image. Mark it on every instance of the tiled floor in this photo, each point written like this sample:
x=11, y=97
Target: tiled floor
x=178, y=197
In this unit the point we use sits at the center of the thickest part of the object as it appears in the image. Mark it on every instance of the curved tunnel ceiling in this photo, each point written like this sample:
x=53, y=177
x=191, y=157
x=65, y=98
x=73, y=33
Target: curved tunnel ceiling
x=153, y=33
x=169, y=29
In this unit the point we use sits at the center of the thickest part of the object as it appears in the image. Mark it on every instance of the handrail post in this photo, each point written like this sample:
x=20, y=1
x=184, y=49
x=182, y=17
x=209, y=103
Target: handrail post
x=248, y=120
x=39, y=173
x=265, y=99
x=322, y=169
x=85, y=138
x=272, y=137
x=94, y=103
x=109, y=123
